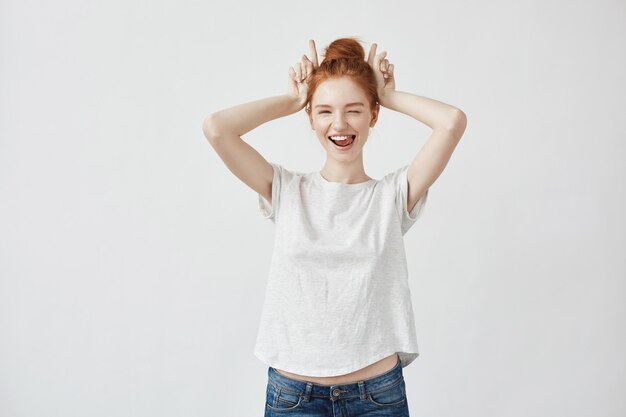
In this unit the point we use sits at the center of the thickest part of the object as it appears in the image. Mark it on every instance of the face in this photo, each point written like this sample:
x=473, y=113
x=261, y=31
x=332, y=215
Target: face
x=340, y=109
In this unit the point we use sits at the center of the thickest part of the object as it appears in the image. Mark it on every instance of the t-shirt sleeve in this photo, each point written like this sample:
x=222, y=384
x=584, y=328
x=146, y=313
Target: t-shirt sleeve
x=401, y=186
x=268, y=211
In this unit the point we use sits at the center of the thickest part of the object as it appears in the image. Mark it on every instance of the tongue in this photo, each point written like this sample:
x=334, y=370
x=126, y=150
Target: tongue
x=343, y=142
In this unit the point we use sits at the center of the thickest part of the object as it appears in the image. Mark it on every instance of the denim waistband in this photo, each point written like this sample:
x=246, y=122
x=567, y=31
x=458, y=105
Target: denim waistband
x=337, y=391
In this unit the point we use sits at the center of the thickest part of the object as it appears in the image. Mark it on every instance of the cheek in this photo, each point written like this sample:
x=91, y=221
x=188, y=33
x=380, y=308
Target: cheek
x=321, y=126
x=363, y=124
x=322, y=121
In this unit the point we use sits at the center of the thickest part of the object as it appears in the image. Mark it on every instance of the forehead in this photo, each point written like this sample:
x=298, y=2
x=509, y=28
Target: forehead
x=339, y=92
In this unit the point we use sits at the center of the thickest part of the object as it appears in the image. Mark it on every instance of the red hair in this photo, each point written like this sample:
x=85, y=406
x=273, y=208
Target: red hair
x=345, y=57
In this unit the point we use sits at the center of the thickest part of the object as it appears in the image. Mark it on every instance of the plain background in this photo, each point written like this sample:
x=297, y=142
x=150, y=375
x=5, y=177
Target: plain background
x=133, y=263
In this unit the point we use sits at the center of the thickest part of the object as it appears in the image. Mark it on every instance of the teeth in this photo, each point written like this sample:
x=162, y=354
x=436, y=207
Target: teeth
x=340, y=137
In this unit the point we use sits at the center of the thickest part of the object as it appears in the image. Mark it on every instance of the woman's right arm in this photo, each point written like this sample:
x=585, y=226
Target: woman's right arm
x=241, y=119
x=223, y=130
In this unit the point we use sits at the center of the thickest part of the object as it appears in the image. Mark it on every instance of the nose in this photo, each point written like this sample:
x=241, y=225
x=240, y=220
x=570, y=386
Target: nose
x=339, y=122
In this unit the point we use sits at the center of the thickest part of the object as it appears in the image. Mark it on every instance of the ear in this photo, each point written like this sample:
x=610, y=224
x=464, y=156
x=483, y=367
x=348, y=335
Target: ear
x=307, y=109
x=375, y=115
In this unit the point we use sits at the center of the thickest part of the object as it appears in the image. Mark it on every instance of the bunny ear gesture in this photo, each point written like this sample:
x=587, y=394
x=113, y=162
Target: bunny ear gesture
x=299, y=75
x=301, y=71
x=383, y=70
x=313, y=53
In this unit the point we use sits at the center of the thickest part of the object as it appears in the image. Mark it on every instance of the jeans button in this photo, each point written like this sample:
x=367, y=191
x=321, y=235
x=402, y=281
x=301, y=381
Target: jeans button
x=336, y=392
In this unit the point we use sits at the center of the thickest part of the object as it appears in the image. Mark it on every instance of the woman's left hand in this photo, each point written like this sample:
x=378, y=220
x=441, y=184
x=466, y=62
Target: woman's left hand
x=385, y=79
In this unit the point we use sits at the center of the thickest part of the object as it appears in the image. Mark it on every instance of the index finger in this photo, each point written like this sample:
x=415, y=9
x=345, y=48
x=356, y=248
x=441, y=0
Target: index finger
x=313, y=53
x=372, y=55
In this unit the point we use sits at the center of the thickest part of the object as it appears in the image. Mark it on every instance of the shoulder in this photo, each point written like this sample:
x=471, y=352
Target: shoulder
x=394, y=178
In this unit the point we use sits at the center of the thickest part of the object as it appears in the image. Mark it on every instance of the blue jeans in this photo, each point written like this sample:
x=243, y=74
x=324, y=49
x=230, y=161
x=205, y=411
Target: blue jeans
x=382, y=395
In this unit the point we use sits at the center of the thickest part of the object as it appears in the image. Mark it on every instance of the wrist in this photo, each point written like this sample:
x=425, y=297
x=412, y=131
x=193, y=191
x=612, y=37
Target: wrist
x=295, y=103
x=384, y=97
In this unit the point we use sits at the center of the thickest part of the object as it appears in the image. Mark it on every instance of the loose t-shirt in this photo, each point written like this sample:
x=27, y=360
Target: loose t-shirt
x=337, y=296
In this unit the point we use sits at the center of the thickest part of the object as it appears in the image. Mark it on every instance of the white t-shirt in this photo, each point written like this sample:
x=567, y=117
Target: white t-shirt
x=337, y=297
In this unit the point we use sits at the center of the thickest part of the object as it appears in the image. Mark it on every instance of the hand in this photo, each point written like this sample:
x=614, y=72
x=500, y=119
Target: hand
x=298, y=86
x=385, y=80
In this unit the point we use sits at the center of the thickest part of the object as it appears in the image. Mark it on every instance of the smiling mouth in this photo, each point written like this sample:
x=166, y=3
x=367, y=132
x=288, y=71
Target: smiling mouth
x=344, y=142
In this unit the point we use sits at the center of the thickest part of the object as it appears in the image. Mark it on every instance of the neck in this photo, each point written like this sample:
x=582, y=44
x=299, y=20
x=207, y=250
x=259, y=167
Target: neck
x=347, y=173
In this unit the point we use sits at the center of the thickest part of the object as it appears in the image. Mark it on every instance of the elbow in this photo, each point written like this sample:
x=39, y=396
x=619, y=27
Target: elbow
x=457, y=122
x=210, y=128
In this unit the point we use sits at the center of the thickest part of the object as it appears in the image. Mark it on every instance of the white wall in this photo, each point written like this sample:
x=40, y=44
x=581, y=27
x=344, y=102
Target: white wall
x=133, y=263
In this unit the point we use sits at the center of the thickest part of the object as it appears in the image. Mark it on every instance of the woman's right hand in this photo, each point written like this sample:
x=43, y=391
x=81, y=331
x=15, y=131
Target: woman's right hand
x=299, y=75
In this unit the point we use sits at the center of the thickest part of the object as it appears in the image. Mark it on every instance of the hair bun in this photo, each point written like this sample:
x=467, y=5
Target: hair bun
x=345, y=57
x=344, y=48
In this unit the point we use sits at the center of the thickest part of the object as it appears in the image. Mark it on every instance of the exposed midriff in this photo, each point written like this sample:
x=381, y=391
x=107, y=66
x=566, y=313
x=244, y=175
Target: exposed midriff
x=374, y=369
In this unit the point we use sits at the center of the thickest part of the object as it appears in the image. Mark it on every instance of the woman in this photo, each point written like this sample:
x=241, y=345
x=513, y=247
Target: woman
x=337, y=325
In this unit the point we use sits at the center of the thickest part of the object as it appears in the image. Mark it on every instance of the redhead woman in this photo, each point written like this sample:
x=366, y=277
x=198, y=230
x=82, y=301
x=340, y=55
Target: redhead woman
x=337, y=325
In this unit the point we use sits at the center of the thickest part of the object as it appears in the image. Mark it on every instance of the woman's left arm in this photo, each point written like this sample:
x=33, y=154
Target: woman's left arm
x=448, y=124
x=433, y=113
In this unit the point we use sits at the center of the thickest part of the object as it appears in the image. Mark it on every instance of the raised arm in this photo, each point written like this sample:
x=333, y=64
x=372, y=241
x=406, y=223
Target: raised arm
x=223, y=129
x=448, y=124
x=240, y=119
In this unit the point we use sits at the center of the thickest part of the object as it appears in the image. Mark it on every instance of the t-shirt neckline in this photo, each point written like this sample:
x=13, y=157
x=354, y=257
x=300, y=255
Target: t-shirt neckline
x=324, y=182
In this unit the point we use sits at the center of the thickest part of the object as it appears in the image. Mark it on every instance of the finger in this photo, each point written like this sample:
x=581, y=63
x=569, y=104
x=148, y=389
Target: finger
x=308, y=62
x=390, y=77
x=383, y=65
x=308, y=65
x=305, y=67
x=379, y=58
x=292, y=74
x=298, y=70
x=385, y=68
x=313, y=53
x=372, y=55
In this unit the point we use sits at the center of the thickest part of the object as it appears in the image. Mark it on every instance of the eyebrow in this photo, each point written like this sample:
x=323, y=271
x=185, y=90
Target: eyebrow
x=349, y=104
